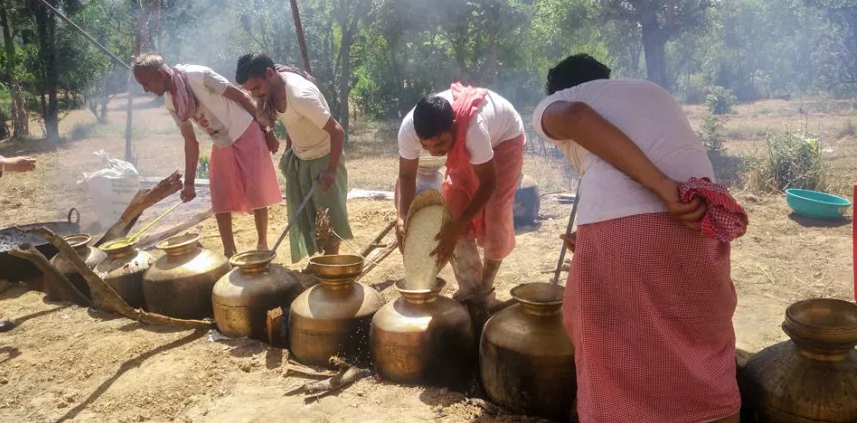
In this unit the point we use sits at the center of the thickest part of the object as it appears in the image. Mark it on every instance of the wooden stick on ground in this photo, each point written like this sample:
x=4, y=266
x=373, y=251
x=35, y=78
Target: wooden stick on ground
x=106, y=297
x=144, y=199
x=55, y=280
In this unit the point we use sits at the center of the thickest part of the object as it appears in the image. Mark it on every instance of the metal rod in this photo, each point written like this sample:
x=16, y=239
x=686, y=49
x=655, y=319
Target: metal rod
x=567, y=232
x=297, y=213
x=89, y=37
x=299, y=29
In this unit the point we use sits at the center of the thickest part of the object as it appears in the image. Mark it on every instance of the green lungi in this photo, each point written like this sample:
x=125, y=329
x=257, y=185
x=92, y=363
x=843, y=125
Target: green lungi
x=299, y=179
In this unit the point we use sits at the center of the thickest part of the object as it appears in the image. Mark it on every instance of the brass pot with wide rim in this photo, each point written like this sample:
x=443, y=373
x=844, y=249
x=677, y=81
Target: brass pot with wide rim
x=180, y=283
x=242, y=297
x=423, y=337
x=333, y=317
x=526, y=358
x=123, y=270
x=91, y=256
x=812, y=377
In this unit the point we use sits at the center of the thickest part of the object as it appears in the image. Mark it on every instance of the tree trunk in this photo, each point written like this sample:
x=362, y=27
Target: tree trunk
x=20, y=120
x=49, y=72
x=654, y=46
x=493, y=33
x=345, y=80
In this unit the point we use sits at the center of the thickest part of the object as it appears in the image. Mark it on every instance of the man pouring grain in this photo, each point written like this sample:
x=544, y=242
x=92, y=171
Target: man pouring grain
x=483, y=139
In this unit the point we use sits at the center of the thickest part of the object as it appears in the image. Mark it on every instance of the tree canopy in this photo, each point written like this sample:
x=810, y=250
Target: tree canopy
x=374, y=58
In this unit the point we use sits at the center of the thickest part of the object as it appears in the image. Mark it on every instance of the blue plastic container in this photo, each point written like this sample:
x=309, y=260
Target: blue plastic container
x=816, y=204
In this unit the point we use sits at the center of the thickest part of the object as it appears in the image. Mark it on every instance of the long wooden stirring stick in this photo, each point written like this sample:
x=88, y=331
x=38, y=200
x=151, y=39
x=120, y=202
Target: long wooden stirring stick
x=567, y=232
x=140, y=232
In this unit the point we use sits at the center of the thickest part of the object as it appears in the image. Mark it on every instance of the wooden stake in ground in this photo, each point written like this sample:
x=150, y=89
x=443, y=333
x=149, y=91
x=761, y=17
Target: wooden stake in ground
x=144, y=199
x=109, y=299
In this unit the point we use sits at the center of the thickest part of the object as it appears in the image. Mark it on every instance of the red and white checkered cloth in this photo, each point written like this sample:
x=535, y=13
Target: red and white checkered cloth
x=725, y=220
x=184, y=101
x=648, y=306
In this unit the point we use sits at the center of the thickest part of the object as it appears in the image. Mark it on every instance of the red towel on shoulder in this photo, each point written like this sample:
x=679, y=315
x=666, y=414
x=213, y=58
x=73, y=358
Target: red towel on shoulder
x=725, y=220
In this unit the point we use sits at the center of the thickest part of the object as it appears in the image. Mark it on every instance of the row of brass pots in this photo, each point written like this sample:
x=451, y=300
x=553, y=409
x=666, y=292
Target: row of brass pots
x=178, y=285
x=526, y=360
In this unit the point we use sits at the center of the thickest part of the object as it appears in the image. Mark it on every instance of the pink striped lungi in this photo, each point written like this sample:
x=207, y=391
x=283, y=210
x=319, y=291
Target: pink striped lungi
x=242, y=175
x=495, y=227
x=649, y=306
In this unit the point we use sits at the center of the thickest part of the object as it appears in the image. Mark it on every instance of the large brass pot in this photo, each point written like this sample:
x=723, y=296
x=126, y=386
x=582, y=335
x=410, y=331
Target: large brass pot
x=423, y=337
x=242, y=297
x=333, y=317
x=813, y=377
x=180, y=283
x=90, y=255
x=123, y=270
x=525, y=356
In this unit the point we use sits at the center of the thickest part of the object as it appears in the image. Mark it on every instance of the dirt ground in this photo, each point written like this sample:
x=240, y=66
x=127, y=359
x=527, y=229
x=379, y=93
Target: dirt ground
x=65, y=363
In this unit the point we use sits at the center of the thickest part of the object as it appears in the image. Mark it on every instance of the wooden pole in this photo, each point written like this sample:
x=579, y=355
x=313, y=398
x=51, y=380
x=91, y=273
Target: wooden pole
x=296, y=15
x=854, y=242
x=87, y=36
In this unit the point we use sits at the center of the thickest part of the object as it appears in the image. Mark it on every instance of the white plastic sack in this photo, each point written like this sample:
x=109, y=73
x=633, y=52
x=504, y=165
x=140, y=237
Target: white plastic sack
x=112, y=188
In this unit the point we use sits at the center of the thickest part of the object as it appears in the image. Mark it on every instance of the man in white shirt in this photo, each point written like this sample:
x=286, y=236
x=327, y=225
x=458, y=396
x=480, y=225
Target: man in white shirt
x=649, y=299
x=314, y=147
x=241, y=172
x=482, y=136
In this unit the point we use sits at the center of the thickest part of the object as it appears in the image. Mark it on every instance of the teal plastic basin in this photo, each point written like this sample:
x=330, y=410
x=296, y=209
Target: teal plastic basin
x=817, y=204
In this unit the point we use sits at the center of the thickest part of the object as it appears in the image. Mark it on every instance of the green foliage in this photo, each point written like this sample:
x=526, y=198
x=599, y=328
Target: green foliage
x=202, y=167
x=712, y=135
x=793, y=160
x=720, y=100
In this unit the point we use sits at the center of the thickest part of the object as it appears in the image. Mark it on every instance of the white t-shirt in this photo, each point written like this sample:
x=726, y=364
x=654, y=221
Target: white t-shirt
x=221, y=118
x=496, y=121
x=306, y=114
x=650, y=117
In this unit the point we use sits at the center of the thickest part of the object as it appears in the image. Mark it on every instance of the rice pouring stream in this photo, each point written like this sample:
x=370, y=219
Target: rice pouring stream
x=421, y=269
x=426, y=217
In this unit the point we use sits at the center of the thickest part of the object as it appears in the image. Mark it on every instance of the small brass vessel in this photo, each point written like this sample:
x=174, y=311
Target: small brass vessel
x=333, y=317
x=526, y=358
x=812, y=377
x=180, y=283
x=123, y=270
x=423, y=337
x=242, y=297
x=90, y=255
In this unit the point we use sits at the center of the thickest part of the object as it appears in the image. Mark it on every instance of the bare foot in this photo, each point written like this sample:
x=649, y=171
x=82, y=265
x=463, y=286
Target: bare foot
x=262, y=246
x=228, y=254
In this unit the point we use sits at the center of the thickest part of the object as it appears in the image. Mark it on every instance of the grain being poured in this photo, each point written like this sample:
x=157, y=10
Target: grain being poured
x=421, y=269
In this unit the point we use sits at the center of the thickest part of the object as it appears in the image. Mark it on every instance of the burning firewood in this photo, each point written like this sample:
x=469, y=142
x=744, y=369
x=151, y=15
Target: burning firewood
x=107, y=297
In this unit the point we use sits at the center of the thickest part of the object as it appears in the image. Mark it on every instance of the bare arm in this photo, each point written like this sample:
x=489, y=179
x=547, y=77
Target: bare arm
x=406, y=188
x=337, y=140
x=233, y=93
x=191, y=154
x=579, y=122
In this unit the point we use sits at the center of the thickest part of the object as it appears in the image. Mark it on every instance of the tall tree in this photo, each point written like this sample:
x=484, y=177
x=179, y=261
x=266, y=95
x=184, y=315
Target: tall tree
x=48, y=72
x=20, y=119
x=349, y=15
x=660, y=21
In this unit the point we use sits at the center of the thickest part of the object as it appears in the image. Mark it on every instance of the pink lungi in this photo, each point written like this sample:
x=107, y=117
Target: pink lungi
x=495, y=230
x=649, y=306
x=242, y=174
